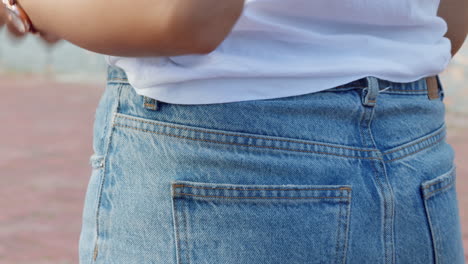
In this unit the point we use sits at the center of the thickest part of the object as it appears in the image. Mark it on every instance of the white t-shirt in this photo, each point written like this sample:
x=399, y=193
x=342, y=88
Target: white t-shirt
x=282, y=48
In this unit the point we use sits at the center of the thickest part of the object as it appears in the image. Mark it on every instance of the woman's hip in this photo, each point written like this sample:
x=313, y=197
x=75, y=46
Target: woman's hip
x=346, y=175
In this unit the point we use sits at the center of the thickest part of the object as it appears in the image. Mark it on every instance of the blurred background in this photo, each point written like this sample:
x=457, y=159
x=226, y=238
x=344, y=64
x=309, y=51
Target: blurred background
x=48, y=98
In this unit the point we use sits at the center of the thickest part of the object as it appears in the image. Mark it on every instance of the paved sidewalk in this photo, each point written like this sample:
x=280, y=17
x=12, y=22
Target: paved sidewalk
x=45, y=143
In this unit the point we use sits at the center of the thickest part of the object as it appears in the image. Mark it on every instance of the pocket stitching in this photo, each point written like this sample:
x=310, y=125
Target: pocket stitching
x=431, y=194
x=187, y=245
x=446, y=181
x=177, y=197
x=341, y=192
x=109, y=136
x=176, y=229
x=339, y=233
x=119, y=115
x=175, y=185
x=246, y=145
x=269, y=197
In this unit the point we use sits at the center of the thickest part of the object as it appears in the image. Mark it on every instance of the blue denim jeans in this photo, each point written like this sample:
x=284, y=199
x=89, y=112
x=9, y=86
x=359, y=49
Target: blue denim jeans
x=359, y=173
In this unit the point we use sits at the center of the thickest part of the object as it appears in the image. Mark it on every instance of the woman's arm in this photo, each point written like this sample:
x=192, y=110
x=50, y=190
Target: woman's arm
x=137, y=27
x=455, y=13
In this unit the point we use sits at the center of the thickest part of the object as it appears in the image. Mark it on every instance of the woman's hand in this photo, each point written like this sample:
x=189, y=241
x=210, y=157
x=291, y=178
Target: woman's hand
x=455, y=14
x=49, y=39
x=3, y=22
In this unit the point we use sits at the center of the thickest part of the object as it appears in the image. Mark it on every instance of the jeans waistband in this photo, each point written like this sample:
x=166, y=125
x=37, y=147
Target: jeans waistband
x=423, y=85
x=430, y=85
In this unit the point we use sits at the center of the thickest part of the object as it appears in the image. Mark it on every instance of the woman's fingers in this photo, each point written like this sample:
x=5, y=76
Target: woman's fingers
x=49, y=39
x=14, y=31
x=4, y=21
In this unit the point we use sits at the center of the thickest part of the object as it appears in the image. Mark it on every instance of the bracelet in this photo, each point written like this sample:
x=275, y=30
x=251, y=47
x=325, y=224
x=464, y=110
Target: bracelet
x=18, y=17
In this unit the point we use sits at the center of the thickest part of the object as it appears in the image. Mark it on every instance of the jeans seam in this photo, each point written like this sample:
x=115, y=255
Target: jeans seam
x=150, y=105
x=414, y=143
x=187, y=249
x=263, y=197
x=246, y=136
x=400, y=90
x=431, y=230
x=437, y=182
x=429, y=195
x=419, y=150
x=346, y=231
x=176, y=229
x=392, y=213
x=117, y=80
x=105, y=167
x=261, y=189
x=386, y=205
x=361, y=119
x=338, y=233
x=244, y=145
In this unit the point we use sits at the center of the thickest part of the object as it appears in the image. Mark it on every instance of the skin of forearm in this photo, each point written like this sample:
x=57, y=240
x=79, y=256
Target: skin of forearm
x=137, y=28
x=455, y=14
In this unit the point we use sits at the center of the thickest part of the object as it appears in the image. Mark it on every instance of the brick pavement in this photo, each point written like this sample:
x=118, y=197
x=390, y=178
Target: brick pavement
x=45, y=142
x=44, y=148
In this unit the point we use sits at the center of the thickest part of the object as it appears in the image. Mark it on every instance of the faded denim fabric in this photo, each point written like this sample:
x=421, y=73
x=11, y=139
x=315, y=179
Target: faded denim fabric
x=360, y=173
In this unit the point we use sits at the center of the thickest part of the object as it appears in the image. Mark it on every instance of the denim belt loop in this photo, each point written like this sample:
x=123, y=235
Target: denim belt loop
x=371, y=92
x=150, y=103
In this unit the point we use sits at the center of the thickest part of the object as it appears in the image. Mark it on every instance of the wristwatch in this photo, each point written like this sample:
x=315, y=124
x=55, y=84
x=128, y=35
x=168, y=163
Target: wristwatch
x=18, y=17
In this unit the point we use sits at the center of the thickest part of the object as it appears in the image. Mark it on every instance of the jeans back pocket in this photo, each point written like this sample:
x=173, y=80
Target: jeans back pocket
x=231, y=223
x=441, y=205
